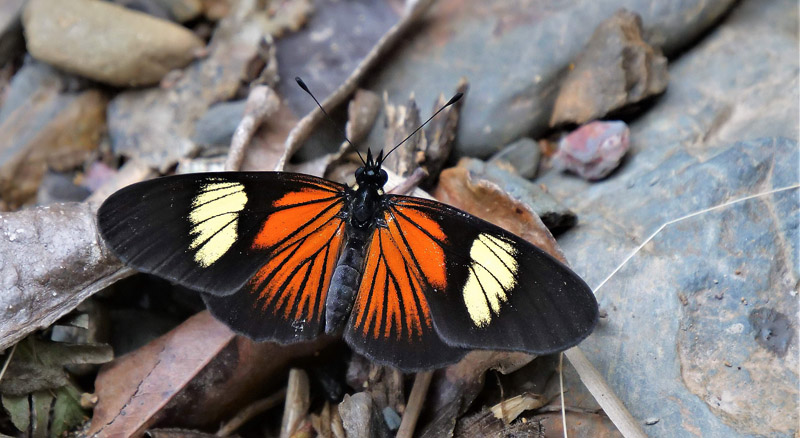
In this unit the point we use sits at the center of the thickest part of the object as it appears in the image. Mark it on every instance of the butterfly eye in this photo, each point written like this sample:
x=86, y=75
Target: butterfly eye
x=359, y=173
x=384, y=177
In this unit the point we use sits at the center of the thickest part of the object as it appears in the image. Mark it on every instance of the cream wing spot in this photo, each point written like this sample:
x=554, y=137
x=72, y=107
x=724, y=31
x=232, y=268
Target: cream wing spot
x=492, y=275
x=215, y=219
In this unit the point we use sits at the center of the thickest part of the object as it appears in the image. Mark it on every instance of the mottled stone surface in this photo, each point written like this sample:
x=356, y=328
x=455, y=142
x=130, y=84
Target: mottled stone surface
x=41, y=127
x=324, y=53
x=50, y=261
x=515, y=55
x=686, y=339
x=156, y=125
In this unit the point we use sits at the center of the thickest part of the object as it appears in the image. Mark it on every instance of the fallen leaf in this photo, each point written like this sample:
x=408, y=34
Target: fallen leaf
x=191, y=377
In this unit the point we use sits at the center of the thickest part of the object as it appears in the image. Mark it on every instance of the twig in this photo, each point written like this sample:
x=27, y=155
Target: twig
x=414, y=407
x=262, y=102
x=8, y=361
x=410, y=183
x=298, y=400
x=251, y=411
x=602, y=392
x=306, y=125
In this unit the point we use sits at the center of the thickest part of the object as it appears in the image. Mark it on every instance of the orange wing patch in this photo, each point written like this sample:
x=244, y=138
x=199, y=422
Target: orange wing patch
x=304, y=236
x=402, y=261
x=293, y=214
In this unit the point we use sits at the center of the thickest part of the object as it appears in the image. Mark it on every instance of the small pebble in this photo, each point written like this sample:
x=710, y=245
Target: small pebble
x=651, y=421
x=594, y=150
x=392, y=418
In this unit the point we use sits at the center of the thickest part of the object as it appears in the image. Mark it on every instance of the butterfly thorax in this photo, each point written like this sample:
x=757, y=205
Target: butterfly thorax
x=367, y=198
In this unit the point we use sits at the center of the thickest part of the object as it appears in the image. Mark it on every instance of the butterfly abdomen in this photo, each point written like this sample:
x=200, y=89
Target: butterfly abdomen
x=345, y=282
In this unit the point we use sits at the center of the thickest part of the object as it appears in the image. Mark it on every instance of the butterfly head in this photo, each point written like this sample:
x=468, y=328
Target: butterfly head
x=371, y=174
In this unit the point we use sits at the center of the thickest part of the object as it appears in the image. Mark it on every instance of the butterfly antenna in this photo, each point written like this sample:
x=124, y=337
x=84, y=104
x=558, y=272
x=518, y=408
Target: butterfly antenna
x=305, y=88
x=452, y=100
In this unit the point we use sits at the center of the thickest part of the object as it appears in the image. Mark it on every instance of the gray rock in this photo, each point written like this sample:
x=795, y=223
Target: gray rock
x=615, y=69
x=217, y=125
x=156, y=125
x=178, y=10
x=684, y=338
x=60, y=187
x=324, y=52
x=183, y=10
x=515, y=55
x=47, y=128
x=150, y=7
x=521, y=156
x=33, y=77
x=360, y=417
x=106, y=42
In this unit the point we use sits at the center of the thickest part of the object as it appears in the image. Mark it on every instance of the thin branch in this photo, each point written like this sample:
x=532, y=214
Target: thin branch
x=262, y=102
x=605, y=396
x=415, y=402
x=254, y=409
x=8, y=361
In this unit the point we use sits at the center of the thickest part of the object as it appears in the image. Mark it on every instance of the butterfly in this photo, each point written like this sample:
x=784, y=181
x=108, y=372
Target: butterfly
x=410, y=282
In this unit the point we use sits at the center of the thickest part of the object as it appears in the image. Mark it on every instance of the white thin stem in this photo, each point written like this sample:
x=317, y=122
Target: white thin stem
x=688, y=216
x=561, y=388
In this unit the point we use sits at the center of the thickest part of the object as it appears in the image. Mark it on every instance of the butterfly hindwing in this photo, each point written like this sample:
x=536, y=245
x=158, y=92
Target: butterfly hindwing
x=391, y=319
x=212, y=232
x=498, y=290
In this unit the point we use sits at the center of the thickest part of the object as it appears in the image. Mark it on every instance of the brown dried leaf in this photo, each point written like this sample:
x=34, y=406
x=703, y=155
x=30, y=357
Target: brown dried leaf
x=441, y=134
x=504, y=199
x=191, y=377
x=400, y=122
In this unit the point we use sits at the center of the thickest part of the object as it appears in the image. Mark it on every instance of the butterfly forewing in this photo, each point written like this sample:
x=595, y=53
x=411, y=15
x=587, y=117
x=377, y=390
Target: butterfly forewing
x=500, y=292
x=285, y=300
x=212, y=232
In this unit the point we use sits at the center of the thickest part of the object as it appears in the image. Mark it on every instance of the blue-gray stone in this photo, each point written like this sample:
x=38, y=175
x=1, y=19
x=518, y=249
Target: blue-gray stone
x=701, y=318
